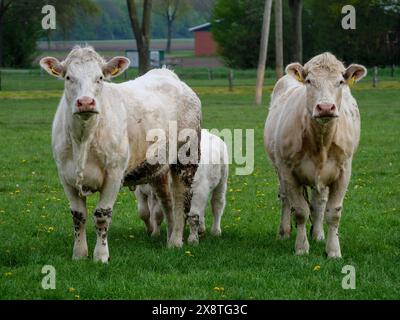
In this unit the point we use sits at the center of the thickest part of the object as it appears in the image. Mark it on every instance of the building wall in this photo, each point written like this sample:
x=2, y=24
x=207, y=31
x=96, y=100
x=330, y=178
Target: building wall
x=204, y=44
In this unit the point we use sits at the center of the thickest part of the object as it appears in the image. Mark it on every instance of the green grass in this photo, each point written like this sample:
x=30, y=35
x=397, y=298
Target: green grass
x=247, y=261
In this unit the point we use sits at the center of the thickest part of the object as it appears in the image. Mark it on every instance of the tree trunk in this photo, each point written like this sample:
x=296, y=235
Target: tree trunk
x=169, y=35
x=141, y=32
x=296, y=8
x=1, y=42
x=263, y=51
x=278, y=40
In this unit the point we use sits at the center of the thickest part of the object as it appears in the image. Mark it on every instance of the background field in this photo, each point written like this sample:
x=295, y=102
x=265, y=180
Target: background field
x=247, y=262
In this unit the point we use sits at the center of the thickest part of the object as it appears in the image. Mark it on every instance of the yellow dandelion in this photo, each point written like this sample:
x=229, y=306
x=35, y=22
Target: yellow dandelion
x=189, y=254
x=219, y=289
x=71, y=289
x=8, y=274
x=77, y=297
x=50, y=229
x=317, y=267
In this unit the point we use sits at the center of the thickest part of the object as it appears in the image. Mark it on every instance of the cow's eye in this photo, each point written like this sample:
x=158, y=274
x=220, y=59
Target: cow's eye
x=68, y=78
x=101, y=78
x=341, y=82
x=308, y=81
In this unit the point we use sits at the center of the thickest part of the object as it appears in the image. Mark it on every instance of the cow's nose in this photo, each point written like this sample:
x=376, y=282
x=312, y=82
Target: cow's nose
x=326, y=109
x=85, y=102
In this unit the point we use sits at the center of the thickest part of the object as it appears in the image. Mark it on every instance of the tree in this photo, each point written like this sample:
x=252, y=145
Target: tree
x=171, y=10
x=238, y=31
x=141, y=32
x=296, y=8
x=4, y=6
x=20, y=26
x=203, y=7
x=263, y=50
x=278, y=40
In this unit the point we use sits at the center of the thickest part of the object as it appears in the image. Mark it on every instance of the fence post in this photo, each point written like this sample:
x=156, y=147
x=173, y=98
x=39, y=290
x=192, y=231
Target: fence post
x=210, y=74
x=230, y=78
x=375, y=77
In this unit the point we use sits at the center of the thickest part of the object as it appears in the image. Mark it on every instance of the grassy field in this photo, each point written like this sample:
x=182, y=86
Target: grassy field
x=247, y=262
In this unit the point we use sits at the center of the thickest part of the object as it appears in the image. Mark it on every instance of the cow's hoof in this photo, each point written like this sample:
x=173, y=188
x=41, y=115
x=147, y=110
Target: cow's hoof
x=101, y=255
x=77, y=258
x=175, y=243
x=103, y=259
x=80, y=254
x=155, y=233
x=318, y=236
x=284, y=235
x=301, y=252
x=334, y=254
x=216, y=232
x=193, y=239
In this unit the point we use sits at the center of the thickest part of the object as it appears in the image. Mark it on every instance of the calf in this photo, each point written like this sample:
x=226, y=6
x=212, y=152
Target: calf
x=311, y=133
x=100, y=140
x=211, y=177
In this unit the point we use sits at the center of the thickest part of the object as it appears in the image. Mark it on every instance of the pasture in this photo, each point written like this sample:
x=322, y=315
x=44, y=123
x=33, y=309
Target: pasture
x=247, y=262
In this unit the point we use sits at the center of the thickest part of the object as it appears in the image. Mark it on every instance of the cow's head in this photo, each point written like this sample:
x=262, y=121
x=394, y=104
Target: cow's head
x=84, y=72
x=325, y=77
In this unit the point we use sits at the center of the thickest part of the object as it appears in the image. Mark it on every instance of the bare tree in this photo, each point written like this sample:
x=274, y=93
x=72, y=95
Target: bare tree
x=141, y=32
x=296, y=8
x=171, y=10
x=278, y=40
x=263, y=51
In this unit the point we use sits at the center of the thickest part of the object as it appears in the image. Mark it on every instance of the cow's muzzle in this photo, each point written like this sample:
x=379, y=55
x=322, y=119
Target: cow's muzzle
x=85, y=105
x=325, y=111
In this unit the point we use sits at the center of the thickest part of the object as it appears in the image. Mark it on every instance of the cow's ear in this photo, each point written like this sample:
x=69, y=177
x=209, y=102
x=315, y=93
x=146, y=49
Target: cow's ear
x=52, y=66
x=296, y=70
x=354, y=72
x=115, y=67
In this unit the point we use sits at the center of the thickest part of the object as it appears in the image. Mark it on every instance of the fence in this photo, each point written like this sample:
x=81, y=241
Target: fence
x=36, y=79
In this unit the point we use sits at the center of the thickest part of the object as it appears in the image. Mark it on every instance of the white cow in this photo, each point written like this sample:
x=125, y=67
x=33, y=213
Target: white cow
x=210, y=178
x=311, y=134
x=99, y=140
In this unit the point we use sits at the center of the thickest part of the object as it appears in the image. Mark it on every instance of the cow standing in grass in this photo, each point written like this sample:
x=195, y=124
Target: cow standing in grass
x=100, y=140
x=211, y=178
x=311, y=134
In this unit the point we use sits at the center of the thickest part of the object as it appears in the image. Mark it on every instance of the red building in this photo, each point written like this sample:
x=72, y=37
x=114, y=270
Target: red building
x=204, y=44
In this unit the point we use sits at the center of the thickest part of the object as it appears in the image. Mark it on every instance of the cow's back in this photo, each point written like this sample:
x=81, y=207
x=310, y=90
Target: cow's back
x=157, y=100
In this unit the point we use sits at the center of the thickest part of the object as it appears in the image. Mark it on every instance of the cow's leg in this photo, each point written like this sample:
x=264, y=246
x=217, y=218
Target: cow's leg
x=218, y=201
x=79, y=216
x=162, y=189
x=318, y=205
x=197, y=209
x=337, y=191
x=285, y=227
x=144, y=210
x=156, y=215
x=294, y=192
x=103, y=213
x=182, y=177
